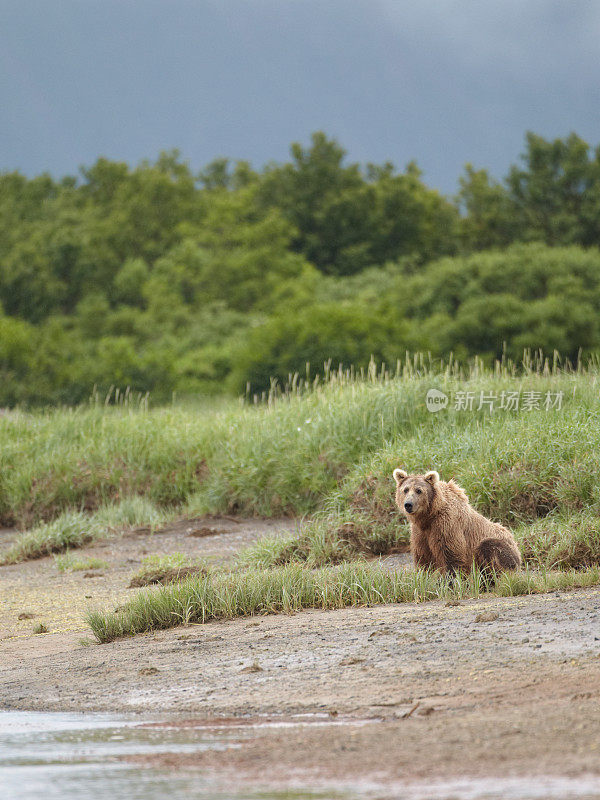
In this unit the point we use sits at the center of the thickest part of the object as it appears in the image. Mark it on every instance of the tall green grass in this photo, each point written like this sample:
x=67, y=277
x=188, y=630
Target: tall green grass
x=330, y=449
x=536, y=472
x=218, y=596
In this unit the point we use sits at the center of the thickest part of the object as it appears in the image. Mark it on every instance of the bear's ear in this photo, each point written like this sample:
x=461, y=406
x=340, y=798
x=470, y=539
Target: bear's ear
x=399, y=475
x=432, y=477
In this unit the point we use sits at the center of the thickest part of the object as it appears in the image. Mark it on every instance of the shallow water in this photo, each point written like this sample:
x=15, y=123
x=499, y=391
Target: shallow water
x=75, y=756
x=63, y=755
x=518, y=788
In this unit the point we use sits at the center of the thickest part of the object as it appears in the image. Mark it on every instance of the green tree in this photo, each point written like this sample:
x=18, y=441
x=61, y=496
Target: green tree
x=17, y=348
x=239, y=255
x=530, y=295
x=347, y=335
x=346, y=221
x=490, y=217
x=556, y=189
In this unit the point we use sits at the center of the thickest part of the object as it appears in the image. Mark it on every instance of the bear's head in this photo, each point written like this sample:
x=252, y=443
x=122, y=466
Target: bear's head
x=415, y=494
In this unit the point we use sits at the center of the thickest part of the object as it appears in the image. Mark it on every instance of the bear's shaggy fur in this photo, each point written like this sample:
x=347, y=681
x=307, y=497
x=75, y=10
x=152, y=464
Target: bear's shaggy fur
x=446, y=532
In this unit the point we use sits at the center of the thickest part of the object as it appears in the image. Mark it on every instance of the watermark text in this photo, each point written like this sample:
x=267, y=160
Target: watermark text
x=515, y=401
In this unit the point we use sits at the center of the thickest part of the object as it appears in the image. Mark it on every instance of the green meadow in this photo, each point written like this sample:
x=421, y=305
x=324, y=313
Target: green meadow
x=524, y=444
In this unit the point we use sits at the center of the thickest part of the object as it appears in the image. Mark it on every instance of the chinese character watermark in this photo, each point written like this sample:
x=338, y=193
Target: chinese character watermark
x=510, y=401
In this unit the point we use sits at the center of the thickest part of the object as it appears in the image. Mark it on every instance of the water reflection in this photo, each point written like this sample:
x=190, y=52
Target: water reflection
x=61, y=755
x=76, y=756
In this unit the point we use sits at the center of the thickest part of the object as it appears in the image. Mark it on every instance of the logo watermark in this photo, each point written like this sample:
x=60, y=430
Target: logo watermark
x=515, y=401
x=436, y=400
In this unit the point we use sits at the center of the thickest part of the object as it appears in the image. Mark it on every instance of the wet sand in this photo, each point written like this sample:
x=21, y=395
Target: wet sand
x=419, y=693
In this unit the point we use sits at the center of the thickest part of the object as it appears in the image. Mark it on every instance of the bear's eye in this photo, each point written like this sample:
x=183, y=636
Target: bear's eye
x=406, y=490
x=419, y=491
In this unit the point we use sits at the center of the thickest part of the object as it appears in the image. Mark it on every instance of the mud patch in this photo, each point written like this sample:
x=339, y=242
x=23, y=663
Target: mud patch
x=164, y=576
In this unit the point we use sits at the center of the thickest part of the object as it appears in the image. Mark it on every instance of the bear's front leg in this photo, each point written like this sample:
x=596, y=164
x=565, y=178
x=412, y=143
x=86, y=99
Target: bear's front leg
x=449, y=550
x=421, y=552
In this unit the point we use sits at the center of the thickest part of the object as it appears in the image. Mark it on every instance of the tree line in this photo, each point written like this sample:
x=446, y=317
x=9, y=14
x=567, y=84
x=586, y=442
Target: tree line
x=164, y=280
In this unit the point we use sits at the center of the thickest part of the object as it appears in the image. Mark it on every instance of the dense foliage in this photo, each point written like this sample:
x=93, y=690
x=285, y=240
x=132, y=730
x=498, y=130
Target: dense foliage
x=161, y=280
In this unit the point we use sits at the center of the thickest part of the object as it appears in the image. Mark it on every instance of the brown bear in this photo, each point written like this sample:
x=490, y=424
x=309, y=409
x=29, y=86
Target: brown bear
x=446, y=532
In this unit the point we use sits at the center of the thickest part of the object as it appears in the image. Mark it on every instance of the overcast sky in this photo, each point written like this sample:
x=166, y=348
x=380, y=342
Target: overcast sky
x=439, y=81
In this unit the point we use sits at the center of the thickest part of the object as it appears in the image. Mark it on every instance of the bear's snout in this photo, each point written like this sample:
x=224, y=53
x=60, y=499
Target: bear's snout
x=408, y=507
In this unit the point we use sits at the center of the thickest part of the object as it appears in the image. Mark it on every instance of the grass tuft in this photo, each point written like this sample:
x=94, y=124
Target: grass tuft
x=68, y=563
x=75, y=529
x=165, y=569
x=70, y=530
x=289, y=589
x=40, y=628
